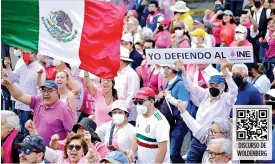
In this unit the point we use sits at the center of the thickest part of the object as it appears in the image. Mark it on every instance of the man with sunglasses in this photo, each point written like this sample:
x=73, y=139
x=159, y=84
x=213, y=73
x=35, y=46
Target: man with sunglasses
x=32, y=150
x=152, y=131
x=51, y=115
x=26, y=79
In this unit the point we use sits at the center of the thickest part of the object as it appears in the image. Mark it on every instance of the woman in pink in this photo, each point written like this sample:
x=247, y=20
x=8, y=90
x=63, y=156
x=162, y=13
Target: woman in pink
x=270, y=39
x=162, y=35
x=181, y=38
x=103, y=98
x=227, y=27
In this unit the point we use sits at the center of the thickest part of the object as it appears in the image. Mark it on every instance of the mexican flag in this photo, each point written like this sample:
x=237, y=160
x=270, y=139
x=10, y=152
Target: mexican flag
x=80, y=32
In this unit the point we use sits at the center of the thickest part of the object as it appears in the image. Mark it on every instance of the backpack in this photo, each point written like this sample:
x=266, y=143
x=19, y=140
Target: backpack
x=166, y=108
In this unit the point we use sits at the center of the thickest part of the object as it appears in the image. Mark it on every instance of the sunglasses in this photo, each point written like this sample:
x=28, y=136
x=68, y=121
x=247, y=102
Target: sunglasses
x=77, y=147
x=268, y=98
x=26, y=151
x=140, y=102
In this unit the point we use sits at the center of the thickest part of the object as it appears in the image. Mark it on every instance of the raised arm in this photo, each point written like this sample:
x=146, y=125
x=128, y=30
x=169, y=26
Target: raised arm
x=215, y=24
x=91, y=88
x=73, y=84
x=39, y=77
x=16, y=92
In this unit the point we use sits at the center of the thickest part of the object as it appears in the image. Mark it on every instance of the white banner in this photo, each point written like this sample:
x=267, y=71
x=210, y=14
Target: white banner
x=200, y=55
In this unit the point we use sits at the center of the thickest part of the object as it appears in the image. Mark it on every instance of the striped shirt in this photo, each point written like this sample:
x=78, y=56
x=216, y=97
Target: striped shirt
x=150, y=132
x=26, y=77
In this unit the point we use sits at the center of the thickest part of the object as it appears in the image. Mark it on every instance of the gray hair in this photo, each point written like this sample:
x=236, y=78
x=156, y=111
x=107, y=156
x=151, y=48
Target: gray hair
x=11, y=118
x=225, y=127
x=226, y=145
x=241, y=66
x=134, y=20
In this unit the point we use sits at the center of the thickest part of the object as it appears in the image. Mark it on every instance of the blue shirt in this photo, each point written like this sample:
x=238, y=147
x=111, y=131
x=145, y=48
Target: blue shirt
x=137, y=59
x=249, y=95
x=179, y=92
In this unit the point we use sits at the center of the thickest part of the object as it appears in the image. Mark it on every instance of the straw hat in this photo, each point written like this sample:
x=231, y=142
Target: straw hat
x=124, y=54
x=180, y=6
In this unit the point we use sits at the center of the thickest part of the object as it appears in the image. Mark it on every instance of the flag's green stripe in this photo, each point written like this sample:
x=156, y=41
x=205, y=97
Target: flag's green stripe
x=20, y=23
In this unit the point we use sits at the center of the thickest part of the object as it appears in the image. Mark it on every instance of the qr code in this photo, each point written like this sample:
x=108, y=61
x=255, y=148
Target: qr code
x=252, y=124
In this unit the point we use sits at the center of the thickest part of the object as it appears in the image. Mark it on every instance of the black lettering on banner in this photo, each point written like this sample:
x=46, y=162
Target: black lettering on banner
x=248, y=54
x=150, y=55
x=179, y=55
x=187, y=56
x=193, y=56
x=223, y=56
x=157, y=56
x=200, y=55
x=209, y=55
x=240, y=54
x=167, y=56
x=217, y=55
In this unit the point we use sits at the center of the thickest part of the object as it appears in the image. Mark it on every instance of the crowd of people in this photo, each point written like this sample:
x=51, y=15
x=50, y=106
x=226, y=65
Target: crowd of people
x=53, y=112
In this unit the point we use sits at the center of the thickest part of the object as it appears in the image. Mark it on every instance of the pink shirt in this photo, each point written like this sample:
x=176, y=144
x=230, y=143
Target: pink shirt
x=215, y=30
x=101, y=109
x=162, y=39
x=270, y=52
x=245, y=44
x=57, y=119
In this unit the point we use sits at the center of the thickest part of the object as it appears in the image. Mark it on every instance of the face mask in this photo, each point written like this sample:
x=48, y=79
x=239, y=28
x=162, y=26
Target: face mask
x=257, y=4
x=27, y=58
x=218, y=7
x=56, y=62
x=17, y=53
x=238, y=79
x=195, y=39
x=240, y=37
x=118, y=118
x=160, y=28
x=162, y=73
x=179, y=33
x=214, y=92
x=141, y=109
x=152, y=12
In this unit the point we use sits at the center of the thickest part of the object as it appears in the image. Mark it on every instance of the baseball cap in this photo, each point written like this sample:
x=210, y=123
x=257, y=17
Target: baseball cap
x=172, y=66
x=198, y=32
x=241, y=29
x=199, y=20
x=115, y=157
x=179, y=25
x=127, y=38
x=144, y=93
x=49, y=84
x=119, y=104
x=217, y=79
x=165, y=22
x=88, y=124
x=34, y=143
x=208, y=24
x=228, y=12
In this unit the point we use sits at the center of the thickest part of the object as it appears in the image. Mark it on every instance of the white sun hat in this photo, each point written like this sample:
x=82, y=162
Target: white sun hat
x=180, y=6
x=124, y=54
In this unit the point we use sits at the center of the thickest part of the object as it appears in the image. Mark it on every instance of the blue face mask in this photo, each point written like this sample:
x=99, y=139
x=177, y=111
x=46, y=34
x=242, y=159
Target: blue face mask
x=218, y=7
x=162, y=73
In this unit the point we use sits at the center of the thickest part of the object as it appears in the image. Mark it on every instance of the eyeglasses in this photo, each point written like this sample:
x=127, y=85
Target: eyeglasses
x=212, y=132
x=213, y=154
x=77, y=147
x=26, y=151
x=140, y=102
x=49, y=91
x=268, y=98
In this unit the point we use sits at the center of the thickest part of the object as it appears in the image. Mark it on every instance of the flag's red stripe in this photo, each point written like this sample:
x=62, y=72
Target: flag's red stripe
x=100, y=40
x=146, y=145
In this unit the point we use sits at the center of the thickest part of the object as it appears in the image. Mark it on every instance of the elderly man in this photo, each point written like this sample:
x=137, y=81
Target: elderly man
x=219, y=151
x=10, y=136
x=240, y=37
x=26, y=78
x=127, y=83
x=198, y=37
x=199, y=24
x=51, y=115
x=32, y=150
x=214, y=103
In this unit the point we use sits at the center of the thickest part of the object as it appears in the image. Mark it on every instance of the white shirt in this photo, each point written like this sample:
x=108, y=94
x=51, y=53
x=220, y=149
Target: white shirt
x=252, y=33
x=257, y=14
x=26, y=77
x=125, y=135
x=262, y=83
x=207, y=42
x=151, y=131
x=127, y=85
x=218, y=108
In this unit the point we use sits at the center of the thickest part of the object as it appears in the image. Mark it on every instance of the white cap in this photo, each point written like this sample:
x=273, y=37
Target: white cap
x=119, y=104
x=172, y=66
x=127, y=38
x=124, y=54
x=241, y=29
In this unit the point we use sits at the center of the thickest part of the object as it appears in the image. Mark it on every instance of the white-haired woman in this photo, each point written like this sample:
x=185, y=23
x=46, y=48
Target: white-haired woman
x=10, y=136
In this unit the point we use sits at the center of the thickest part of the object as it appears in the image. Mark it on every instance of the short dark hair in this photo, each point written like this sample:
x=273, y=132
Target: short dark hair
x=75, y=137
x=150, y=41
x=154, y=2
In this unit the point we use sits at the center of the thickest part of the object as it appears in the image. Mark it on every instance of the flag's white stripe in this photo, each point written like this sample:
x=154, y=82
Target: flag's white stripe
x=50, y=46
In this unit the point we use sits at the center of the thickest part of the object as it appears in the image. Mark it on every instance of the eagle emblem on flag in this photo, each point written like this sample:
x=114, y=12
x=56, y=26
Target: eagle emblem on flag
x=60, y=26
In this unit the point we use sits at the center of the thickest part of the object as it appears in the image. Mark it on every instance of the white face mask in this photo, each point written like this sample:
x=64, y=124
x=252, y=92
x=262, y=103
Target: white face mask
x=118, y=118
x=195, y=39
x=141, y=109
x=239, y=37
x=162, y=73
x=17, y=53
x=56, y=62
x=179, y=33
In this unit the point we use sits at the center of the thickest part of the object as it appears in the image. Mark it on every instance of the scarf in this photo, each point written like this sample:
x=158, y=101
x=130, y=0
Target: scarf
x=7, y=147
